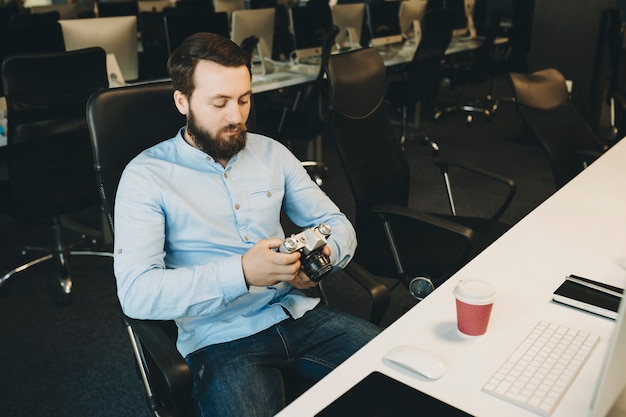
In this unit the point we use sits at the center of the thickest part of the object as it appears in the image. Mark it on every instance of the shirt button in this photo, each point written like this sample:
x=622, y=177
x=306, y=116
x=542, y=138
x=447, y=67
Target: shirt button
x=226, y=175
x=246, y=238
x=269, y=193
x=208, y=158
x=119, y=251
x=237, y=206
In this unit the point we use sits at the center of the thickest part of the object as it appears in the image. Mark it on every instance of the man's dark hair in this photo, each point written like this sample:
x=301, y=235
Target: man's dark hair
x=202, y=46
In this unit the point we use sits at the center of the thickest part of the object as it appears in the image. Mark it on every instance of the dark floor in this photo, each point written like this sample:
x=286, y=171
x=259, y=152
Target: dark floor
x=76, y=360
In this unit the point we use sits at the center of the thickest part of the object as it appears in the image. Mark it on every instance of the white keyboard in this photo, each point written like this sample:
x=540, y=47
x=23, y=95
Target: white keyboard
x=542, y=367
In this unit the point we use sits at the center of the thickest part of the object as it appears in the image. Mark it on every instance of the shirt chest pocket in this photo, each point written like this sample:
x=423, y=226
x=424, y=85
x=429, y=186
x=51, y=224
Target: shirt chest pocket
x=266, y=198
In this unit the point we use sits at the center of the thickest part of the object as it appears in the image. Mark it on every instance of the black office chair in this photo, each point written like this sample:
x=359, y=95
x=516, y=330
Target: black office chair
x=145, y=115
x=35, y=18
x=155, y=46
x=543, y=103
x=474, y=68
x=612, y=35
x=183, y=21
x=418, y=83
x=49, y=154
x=28, y=38
x=394, y=240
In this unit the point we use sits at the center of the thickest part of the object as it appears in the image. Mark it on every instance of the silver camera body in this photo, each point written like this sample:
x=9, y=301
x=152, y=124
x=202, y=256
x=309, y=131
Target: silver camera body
x=309, y=243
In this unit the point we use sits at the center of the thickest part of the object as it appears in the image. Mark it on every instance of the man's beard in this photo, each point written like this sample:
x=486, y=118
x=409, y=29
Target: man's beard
x=218, y=147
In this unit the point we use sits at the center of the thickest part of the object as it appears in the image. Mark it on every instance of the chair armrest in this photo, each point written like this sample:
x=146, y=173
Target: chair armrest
x=172, y=377
x=509, y=183
x=424, y=243
x=378, y=292
x=587, y=156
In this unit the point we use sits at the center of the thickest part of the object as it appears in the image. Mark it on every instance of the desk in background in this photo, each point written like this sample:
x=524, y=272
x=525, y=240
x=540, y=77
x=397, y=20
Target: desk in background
x=581, y=229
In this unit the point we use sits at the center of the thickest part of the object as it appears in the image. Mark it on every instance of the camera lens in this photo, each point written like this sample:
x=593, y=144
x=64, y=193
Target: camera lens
x=316, y=265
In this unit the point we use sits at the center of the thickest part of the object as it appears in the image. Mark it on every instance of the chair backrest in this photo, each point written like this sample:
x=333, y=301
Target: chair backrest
x=542, y=102
x=378, y=173
x=154, y=43
x=424, y=71
x=142, y=116
x=182, y=22
x=49, y=152
x=19, y=39
x=36, y=18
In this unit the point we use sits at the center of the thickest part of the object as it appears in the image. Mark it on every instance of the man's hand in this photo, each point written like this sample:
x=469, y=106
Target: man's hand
x=263, y=265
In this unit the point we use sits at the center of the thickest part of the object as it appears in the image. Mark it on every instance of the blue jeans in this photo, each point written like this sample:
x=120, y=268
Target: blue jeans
x=245, y=377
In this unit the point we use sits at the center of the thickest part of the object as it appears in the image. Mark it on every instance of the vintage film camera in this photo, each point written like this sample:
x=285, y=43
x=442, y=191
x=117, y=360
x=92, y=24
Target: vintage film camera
x=310, y=243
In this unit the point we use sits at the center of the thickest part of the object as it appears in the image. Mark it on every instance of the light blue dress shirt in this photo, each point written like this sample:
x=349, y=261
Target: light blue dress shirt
x=182, y=223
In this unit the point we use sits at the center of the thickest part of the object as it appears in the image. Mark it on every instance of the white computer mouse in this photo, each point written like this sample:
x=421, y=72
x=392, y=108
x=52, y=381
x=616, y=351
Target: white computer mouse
x=417, y=360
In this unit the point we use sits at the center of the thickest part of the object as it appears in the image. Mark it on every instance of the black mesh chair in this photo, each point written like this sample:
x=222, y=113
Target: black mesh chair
x=394, y=240
x=418, y=84
x=543, y=103
x=477, y=67
x=49, y=153
x=145, y=115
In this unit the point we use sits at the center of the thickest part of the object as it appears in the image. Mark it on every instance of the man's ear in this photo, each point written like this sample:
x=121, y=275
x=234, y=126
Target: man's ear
x=182, y=104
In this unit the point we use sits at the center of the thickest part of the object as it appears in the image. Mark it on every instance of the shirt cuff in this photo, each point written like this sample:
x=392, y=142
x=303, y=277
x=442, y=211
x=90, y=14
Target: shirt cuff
x=231, y=278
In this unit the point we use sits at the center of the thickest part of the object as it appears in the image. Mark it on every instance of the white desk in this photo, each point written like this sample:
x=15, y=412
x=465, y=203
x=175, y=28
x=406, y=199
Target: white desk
x=581, y=230
x=286, y=75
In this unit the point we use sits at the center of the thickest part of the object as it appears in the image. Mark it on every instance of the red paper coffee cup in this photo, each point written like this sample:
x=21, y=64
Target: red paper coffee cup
x=474, y=301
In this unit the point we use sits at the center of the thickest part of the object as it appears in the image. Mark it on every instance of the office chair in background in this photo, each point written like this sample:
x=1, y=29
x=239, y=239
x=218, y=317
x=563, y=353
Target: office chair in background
x=543, y=103
x=418, y=83
x=394, y=240
x=49, y=153
x=472, y=69
x=145, y=115
x=29, y=38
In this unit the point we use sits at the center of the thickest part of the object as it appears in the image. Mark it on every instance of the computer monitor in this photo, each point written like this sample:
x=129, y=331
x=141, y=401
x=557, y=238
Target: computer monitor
x=66, y=11
x=310, y=25
x=612, y=377
x=116, y=35
x=384, y=23
x=349, y=19
x=258, y=22
x=117, y=8
x=180, y=25
x=410, y=11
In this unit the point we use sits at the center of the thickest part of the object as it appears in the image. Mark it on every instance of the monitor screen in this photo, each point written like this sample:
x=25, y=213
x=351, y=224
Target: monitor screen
x=310, y=26
x=384, y=23
x=179, y=26
x=411, y=10
x=116, y=35
x=259, y=22
x=349, y=19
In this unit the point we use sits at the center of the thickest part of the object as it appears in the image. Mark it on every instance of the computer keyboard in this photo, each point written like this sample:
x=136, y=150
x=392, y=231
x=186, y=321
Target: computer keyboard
x=541, y=369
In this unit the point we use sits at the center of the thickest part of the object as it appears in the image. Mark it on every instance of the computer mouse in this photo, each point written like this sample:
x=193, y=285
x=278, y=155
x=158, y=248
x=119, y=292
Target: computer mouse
x=417, y=360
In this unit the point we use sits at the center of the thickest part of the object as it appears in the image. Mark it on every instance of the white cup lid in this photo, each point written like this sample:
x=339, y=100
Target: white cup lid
x=475, y=292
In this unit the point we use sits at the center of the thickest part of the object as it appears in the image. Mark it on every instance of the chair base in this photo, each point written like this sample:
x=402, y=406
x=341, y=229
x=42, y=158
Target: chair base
x=404, y=136
x=59, y=253
x=488, y=110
